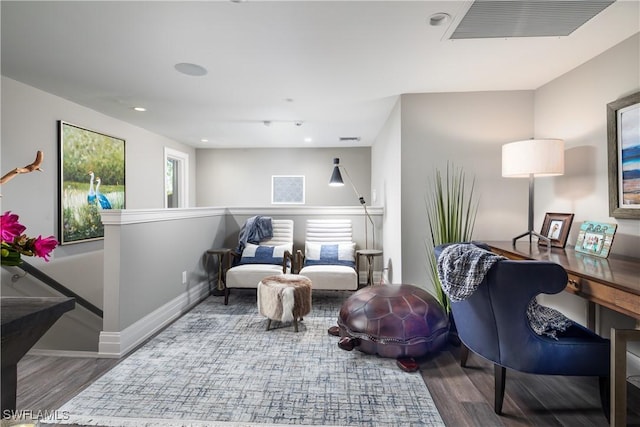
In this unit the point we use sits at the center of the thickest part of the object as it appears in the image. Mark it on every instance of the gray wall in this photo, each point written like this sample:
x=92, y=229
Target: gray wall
x=241, y=177
x=573, y=107
x=29, y=124
x=237, y=216
x=467, y=129
x=151, y=258
x=386, y=182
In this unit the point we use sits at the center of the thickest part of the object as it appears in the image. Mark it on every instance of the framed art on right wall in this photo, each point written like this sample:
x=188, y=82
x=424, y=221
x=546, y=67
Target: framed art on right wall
x=623, y=134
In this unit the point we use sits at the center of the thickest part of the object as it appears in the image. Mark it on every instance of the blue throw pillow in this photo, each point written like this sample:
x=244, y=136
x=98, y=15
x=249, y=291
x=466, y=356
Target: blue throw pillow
x=257, y=254
x=330, y=254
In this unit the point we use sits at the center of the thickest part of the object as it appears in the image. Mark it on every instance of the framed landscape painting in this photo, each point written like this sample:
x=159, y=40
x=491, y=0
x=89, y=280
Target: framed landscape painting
x=92, y=178
x=623, y=134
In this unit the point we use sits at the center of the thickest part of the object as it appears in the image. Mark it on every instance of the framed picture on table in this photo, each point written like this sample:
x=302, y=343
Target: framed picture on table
x=595, y=238
x=556, y=227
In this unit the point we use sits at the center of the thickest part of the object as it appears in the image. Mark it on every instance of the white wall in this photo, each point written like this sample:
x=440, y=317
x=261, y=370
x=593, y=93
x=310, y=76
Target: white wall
x=242, y=177
x=467, y=129
x=386, y=181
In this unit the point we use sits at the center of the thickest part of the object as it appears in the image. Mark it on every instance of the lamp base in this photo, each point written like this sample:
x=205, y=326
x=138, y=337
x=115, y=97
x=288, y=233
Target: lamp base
x=531, y=233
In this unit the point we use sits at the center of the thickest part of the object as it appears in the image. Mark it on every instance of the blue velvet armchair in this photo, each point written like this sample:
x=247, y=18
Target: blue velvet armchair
x=493, y=323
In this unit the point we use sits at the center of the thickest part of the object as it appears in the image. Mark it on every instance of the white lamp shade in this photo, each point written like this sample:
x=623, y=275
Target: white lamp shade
x=538, y=157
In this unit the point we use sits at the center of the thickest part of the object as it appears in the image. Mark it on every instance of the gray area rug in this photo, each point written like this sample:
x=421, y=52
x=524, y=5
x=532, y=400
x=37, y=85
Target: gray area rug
x=217, y=365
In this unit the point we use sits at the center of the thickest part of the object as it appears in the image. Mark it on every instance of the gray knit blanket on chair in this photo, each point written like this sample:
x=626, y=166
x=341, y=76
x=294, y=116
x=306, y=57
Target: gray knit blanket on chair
x=463, y=266
x=254, y=229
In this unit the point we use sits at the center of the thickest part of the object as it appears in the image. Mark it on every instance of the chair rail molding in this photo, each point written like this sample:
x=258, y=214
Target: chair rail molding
x=137, y=216
x=377, y=211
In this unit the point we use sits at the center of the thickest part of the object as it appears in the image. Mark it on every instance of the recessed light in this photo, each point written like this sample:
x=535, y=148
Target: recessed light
x=190, y=69
x=438, y=19
x=141, y=109
x=204, y=140
x=307, y=139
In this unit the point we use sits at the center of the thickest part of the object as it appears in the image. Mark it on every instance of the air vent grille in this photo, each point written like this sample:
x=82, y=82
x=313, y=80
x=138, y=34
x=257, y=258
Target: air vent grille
x=506, y=18
x=349, y=138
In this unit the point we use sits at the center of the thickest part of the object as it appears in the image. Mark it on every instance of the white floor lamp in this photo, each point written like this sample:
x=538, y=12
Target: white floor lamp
x=336, y=181
x=529, y=159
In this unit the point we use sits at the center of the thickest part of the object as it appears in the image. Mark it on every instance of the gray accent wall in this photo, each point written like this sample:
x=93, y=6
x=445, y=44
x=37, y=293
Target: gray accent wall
x=151, y=257
x=29, y=124
x=386, y=184
x=242, y=177
x=466, y=130
x=573, y=107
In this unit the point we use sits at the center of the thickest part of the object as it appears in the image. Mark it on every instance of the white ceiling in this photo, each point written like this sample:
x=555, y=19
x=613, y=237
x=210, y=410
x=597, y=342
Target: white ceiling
x=336, y=66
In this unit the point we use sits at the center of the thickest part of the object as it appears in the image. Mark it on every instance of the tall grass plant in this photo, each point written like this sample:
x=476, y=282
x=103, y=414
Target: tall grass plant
x=451, y=215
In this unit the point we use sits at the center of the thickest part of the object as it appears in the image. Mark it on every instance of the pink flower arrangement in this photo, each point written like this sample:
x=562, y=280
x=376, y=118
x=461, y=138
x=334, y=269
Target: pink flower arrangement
x=15, y=243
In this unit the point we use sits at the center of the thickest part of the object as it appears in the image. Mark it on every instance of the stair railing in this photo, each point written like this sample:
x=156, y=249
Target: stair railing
x=54, y=284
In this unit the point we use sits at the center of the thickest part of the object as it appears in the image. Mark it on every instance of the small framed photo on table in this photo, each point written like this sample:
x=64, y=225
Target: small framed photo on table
x=595, y=238
x=556, y=228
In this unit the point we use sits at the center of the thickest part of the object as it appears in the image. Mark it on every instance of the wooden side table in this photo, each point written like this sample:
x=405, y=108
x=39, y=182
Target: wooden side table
x=219, y=254
x=369, y=254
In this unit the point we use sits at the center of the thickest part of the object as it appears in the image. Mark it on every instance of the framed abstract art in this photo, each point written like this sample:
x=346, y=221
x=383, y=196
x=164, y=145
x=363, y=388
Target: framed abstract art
x=623, y=134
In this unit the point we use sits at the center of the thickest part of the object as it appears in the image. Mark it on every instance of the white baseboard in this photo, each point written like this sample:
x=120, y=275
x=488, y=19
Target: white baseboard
x=118, y=344
x=62, y=353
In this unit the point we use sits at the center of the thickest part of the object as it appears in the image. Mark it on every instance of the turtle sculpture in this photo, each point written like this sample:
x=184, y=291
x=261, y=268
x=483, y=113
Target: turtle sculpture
x=403, y=322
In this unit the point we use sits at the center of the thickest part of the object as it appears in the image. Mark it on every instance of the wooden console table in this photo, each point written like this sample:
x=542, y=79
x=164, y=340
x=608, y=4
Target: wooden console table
x=612, y=282
x=24, y=321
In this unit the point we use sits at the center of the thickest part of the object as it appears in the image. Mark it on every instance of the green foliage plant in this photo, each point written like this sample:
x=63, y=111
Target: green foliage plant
x=451, y=215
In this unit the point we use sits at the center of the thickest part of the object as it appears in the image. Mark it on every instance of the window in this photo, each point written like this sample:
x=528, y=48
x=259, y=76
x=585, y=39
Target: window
x=176, y=175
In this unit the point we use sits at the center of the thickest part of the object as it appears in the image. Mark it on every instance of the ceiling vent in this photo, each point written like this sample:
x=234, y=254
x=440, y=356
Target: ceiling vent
x=506, y=18
x=349, y=138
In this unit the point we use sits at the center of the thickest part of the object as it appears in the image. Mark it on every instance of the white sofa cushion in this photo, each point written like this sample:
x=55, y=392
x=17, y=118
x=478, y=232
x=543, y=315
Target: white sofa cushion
x=331, y=277
x=249, y=275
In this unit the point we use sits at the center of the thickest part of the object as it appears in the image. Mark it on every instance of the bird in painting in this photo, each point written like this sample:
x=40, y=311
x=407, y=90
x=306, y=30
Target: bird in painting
x=102, y=199
x=91, y=196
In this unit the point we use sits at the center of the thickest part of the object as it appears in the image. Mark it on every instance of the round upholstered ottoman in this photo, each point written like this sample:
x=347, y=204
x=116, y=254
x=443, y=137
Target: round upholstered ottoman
x=284, y=297
x=396, y=321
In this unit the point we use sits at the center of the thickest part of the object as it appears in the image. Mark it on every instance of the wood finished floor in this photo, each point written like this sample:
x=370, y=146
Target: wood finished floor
x=464, y=397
